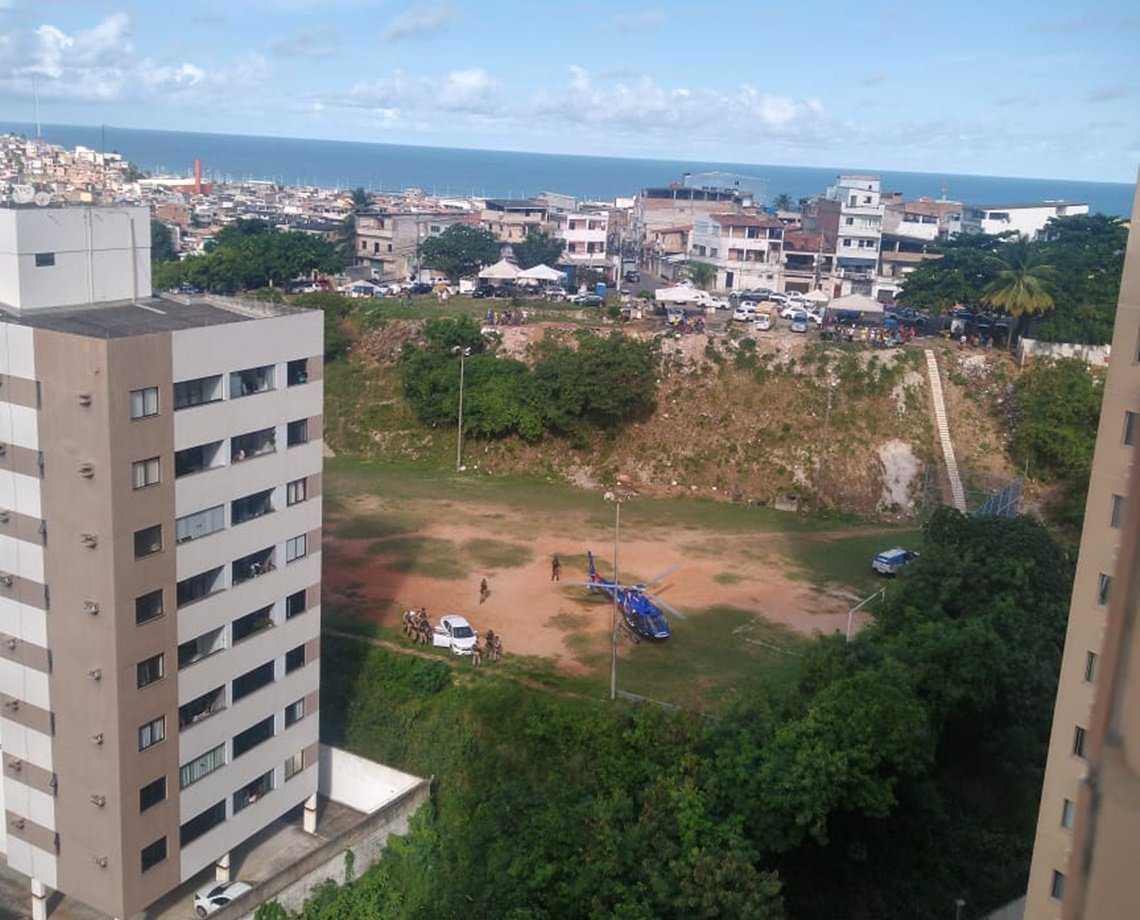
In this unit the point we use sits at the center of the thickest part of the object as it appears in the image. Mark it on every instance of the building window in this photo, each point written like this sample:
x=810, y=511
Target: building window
x=45, y=259
x=251, y=623
x=198, y=458
x=1091, y=662
x=198, y=586
x=212, y=760
x=294, y=713
x=202, y=646
x=250, y=681
x=148, y=541
x=294, y=765
x=154, y=854
x=1129, y=428
x=202, y=707
x=148, y=607
x=297, y=432
x=296, y=491
x=297, y=372
x=295, y=605
x=202, y=823
x=145, y=473
x=200, y=524
x=1079, y=741
x=150, y=671
x=253, y=565
x=251, y=506
x=1117, y=513
x=198, y=392
x=152, y=733
x=250, y=381
x=252, y=792
x=1104, y=585
x=294, y=548
x=1068, y=814
x=253, y=444
x=144, y=402
x=152, y=793
x=294, y=658
x=1057, y=886
x=253, y=736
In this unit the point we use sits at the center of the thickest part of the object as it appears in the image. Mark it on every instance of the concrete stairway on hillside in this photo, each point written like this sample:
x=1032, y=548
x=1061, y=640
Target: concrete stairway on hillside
x=956, y=490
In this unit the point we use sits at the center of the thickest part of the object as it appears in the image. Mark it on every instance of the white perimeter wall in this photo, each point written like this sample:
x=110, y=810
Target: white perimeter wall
x=358, y=783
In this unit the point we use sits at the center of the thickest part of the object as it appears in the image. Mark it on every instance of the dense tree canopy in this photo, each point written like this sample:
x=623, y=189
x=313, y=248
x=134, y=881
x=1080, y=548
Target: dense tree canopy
x=250, y=254
x=894, y=774
x=161, y=243
x=539, y=248
x=601, y=383
x=460, y=250
x=702, y=274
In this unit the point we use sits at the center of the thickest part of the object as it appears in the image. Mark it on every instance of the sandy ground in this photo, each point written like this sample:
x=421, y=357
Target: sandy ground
x=534, y=615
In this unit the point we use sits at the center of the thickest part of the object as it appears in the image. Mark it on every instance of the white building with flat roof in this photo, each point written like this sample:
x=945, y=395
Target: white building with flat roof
x=1026, y=219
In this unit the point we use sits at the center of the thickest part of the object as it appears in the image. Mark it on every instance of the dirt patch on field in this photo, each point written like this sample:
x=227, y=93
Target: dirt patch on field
x=440, y=567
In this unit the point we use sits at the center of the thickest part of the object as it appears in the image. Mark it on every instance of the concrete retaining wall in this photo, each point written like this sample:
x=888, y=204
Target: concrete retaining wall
x=359, y=783
x=1093, y=355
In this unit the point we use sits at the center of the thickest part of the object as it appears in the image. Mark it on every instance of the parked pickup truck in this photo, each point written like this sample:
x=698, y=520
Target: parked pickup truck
x=455, y=633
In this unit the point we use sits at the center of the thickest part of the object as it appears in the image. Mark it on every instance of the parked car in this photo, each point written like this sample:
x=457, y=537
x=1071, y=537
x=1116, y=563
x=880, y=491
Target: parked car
x=421, y=287
x=213, y=897
x=763, y=322
x=789, y=311
x=753, y=294
x=455, y=633
x=798, y=322
x=632, y=276
x=777, y=297
x=890, y=561
x=586, y=300
x=674, y=314
x=745, y=313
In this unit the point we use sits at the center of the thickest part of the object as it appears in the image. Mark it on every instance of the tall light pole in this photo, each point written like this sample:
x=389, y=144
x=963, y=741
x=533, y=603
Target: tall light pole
x=463, y=353
x=617, y=499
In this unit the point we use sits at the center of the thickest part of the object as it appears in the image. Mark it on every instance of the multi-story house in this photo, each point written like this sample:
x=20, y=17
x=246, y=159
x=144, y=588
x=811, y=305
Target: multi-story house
x=1084, y=850
x=745, y=249
x=585, y=235
x=389, y=242
x=160, y=565
x=512, y=220
x=860, y=229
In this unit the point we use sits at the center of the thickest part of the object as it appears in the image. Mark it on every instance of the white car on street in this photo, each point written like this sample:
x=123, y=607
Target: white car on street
x=745, y=313
x=213, y=897
x=455, y=633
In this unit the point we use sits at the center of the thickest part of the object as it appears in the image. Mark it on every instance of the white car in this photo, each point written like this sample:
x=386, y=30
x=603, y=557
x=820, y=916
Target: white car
x=455, y=633
x=216, y=895
x=714, y=303
x=789, y=311
x=745, y=313
x=890, y=561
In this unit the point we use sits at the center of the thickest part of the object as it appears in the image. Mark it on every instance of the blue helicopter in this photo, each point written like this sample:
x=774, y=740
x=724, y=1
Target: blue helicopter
x=641, y=610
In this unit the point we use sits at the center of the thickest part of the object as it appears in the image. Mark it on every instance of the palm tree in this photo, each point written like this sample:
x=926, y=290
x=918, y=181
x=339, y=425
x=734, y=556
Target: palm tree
x=1021, y=288
x=701, y=274
x=783, y=202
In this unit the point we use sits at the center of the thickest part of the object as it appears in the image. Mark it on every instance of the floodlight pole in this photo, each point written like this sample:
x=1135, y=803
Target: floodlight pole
x=613, y=613
x=866, y=600
x=463, y=353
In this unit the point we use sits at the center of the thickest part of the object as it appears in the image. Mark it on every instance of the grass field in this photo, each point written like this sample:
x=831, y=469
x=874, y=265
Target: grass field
x=719, y=650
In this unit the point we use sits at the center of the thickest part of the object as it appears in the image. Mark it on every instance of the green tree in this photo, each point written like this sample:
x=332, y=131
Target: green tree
x=1021, y=287
x=460, y=250
x=539, y=248
x=161, y=243
x=1053, y=413
x=361, y=200
x=958, y=273
x=783, y=202
x=702, y=274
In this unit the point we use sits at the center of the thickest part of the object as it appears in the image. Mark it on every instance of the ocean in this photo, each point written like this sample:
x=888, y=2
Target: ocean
x=504, y=174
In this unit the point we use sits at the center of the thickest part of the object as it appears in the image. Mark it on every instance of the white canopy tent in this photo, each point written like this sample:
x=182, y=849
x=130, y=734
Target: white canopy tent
x=859, y=303
x=817, y=297
x=680, y=294
x=500, y=271
x=541, y=273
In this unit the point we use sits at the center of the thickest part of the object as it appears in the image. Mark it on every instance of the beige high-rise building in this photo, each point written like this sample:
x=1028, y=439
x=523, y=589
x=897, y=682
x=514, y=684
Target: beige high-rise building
x=1088, y=828
x=160, y=515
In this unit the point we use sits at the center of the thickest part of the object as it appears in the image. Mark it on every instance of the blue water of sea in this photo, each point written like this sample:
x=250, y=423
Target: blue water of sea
x=496, y=173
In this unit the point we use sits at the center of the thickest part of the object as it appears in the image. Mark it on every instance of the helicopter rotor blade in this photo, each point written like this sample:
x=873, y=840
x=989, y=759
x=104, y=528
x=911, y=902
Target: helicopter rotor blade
x=667, y=606
x=658, y=577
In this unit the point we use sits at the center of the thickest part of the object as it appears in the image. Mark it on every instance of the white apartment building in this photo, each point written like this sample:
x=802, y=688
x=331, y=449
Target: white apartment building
x=745, y=249
x=160, y=536
x=859, y=235
x=1026, y=219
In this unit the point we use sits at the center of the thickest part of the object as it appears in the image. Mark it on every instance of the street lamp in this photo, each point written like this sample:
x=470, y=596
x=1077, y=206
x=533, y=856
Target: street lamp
x=617, y=499
x=463, y=353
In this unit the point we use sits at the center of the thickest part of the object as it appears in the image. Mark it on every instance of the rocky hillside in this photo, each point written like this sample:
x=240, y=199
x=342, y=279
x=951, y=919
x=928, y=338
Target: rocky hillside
x=739, y=418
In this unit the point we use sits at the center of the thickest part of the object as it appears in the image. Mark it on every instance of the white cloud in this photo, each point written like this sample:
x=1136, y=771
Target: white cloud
x=317, y=44
x=1108, y=93
x=421, y=20
x=473, y=90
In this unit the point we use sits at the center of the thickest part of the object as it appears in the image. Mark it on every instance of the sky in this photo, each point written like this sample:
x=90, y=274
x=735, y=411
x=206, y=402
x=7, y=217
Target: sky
x=1006, y=87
